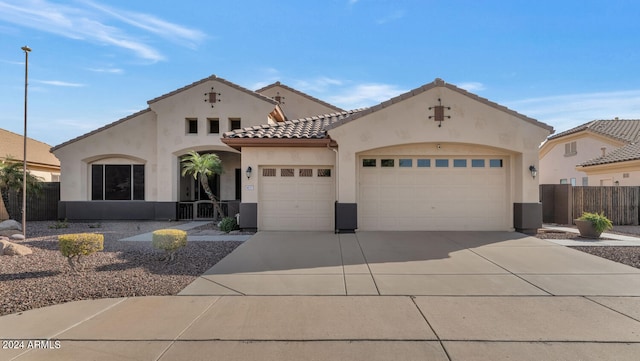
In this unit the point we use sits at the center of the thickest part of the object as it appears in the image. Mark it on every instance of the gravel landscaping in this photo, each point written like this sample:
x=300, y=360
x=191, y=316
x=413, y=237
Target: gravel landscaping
x=127, y=269
x=122, y=269
x=625, y=255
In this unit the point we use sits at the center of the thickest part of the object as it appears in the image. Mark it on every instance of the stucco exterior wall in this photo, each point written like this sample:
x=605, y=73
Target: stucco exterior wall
x=132, y=142
x=472, y=122
x=555, y=165
x=256, y=157
x=173, y=140
x=624, y=173
x=296, y=106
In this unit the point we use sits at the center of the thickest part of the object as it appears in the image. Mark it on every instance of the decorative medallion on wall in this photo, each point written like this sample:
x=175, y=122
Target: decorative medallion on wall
x=438, y=113
x=279, y=98
x=212, y=97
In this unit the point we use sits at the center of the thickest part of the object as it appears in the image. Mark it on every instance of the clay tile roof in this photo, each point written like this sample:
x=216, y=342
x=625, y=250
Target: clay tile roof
x=626, y=130
x=12, y=146
x=622, y=154
x=306, y=128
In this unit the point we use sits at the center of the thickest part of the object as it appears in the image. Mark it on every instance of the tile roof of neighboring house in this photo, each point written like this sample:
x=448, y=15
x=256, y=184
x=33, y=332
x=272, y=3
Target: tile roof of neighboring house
x=305, y=128
x=221, y=80
x=622, y=154
x=100, y=129
x=626, y=130
x=441, y=83
x=12, y=146
x=301, y=94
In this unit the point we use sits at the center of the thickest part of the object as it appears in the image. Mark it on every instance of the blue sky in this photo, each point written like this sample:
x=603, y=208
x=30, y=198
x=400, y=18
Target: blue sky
x=94, y=62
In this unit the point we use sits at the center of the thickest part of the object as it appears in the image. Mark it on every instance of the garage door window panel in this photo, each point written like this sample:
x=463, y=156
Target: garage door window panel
x=442, y=163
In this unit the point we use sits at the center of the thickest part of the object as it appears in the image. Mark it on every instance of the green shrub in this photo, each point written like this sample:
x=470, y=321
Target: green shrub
x=599, y=221
x=228, y=224
x=79, y=244
x=169, y=240
x=60, y=224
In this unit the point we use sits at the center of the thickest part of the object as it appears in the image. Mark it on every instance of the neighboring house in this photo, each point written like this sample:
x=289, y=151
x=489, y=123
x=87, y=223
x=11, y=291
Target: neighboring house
x=600, y=152
x=435, y=158
x=40, y=162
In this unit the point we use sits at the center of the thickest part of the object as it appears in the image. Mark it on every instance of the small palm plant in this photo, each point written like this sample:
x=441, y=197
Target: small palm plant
x=201, y=167
x=11, y=174
x=598, y=220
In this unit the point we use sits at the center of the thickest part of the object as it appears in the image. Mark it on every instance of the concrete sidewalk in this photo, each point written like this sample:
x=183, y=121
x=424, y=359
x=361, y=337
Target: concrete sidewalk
x=364, y=296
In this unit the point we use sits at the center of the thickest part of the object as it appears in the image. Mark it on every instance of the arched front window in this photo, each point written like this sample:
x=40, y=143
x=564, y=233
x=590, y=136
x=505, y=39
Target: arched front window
x=117, y=182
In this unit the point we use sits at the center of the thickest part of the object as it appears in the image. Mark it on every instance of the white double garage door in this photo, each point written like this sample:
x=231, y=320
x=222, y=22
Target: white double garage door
x=394, y=193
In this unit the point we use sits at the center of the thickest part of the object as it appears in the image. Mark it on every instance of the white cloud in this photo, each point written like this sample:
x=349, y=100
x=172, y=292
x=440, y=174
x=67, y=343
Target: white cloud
x=364, y=95
x=88, y=23
x=106, y=70
x=392, y=16
x=59, y=83
x=318, y=85
x=472, y=86
x=570, y=110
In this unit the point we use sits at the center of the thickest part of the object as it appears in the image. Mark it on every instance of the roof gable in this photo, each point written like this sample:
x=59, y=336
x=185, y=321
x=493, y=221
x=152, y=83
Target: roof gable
x=295, y=91
x=214, y=78
x=439, y=83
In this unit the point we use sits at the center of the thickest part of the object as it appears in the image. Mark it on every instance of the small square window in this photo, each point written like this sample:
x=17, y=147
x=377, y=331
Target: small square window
x=324, y=172
x=459, y=163
x=405, y=163
x=585, y=181
x=214, y=126
x=192, y=126
x=286, y=172
x=564, y=181
x=369, y=163
x=495, y=163
x=573, y=181
x=424, y=163
x=235, y=123
x=477, y=163
x=305, y=172
x=268, y=172
x=442, y=163
x=387, y=163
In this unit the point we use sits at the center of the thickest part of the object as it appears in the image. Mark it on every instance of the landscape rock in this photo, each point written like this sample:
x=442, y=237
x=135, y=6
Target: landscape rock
x=14, y=249
x=10, y=224
x=17, y=237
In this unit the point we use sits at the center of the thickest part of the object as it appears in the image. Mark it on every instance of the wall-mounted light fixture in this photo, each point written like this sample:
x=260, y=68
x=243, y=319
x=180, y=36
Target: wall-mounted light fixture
x=533, y=170
x=248, y=172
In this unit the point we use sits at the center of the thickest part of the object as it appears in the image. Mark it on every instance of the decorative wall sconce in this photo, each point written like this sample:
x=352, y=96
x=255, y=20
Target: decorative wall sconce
x=533, y=170
x=212, y=97
x=248, y=172
x=438, y=113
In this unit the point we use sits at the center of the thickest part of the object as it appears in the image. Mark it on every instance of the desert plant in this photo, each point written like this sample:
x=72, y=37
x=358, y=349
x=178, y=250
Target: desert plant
x=169, y=240
x=79, y=244
x=60, y=224
x=228, y=224
x=599, y=221
x=11, y=174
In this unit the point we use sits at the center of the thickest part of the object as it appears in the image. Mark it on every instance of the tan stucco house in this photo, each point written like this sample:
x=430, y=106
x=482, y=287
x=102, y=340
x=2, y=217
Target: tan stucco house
x=434, y=158
x=40, y=162
x=597, y=153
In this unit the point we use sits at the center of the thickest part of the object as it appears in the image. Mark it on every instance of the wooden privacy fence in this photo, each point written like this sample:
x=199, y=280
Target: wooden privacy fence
x=619, y=204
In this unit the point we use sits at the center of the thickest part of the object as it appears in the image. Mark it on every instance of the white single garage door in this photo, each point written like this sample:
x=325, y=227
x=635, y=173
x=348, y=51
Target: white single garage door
x=296, y=198
x=433, y=193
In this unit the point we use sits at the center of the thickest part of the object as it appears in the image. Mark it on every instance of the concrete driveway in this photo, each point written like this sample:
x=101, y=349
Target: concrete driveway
x=444, y=296
x=412, y=263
